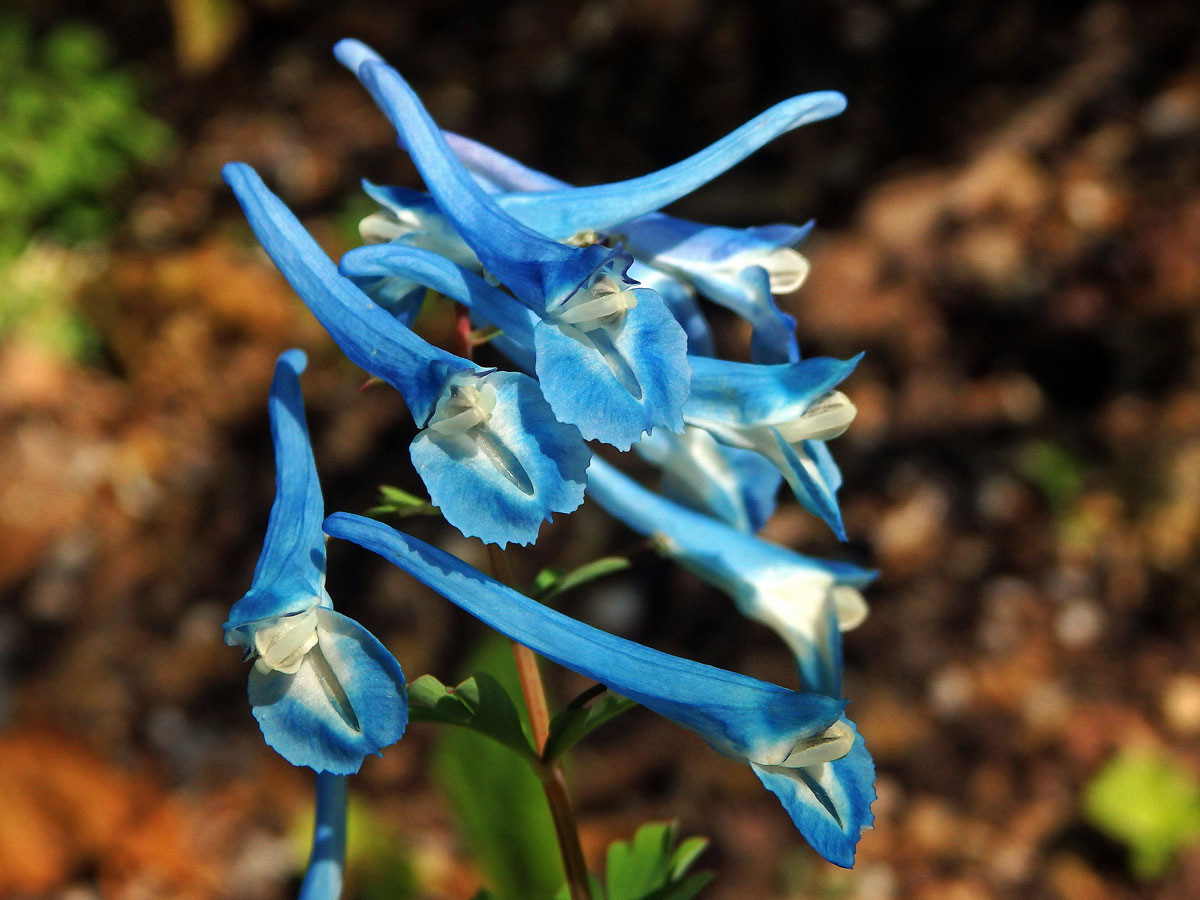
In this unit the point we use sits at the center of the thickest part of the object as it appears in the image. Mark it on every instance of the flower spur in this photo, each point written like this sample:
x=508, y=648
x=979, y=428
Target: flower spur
x=324, y=690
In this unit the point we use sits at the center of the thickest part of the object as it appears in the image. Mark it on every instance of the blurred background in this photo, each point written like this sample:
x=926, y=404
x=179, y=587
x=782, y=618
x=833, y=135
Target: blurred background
x=1008, y=223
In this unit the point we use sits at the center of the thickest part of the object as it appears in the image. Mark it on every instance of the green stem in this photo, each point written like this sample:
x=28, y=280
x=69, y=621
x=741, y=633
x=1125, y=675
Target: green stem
x=551, y=775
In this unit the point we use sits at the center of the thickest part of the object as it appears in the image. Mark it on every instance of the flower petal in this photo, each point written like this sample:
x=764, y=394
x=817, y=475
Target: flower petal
x=808, y=480
x=502, y=484
x=734, y=485
x=423, y=267
x=290, y=573
x=368, y=335
x=830, y=803
x=564, y=212
x=616, y=383
x=737, y=715
x=541, y=272
x=347, y=700
x=748, y=394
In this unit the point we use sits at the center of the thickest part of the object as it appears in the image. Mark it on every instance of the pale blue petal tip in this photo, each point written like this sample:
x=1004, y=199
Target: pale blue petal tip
x=346, y=702
x=829, y=803
x=352, y=53
x=615, y=385
x=524, y=467
x=804, y=478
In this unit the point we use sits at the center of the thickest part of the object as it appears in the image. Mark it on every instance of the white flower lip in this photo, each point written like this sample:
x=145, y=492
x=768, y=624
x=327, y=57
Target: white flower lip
x=282, y=645
x=832, y=743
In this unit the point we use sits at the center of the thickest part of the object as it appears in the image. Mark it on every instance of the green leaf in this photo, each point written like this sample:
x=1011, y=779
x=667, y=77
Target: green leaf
x=480, y=703
x=497, y=800
x=575, y=723
x=396, y=502
x=552, y=582
x=1145, y=799
x=650, y=867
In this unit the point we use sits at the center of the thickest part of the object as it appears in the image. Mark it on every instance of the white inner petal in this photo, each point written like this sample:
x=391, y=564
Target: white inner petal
x=463, y=407
x=832, y=743
x=604, y=302
x=383, y=226
x=282, y=646
x=851, y=606
x=786, y=268
x=825, y=419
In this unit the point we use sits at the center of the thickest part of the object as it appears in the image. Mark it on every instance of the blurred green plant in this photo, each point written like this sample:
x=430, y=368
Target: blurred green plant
x=73, y=130
x=72, y=133
x=497, y=800
x=1059, y=474
x=1146, y=800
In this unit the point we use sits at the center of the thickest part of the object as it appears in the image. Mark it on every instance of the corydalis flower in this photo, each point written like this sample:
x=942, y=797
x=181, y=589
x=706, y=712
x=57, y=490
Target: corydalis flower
x=783, y=412
x=628, y=352
x=770, y=727
x=808, y=603
x=493, y=456
x=324, y=690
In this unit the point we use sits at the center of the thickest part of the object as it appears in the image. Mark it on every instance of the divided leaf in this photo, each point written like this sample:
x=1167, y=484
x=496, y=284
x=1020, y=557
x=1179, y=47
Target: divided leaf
x=480, y=703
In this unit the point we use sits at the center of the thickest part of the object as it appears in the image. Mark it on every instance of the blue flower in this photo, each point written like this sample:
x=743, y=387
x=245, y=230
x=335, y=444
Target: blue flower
x=628, y=353
x=766, y=725
x=324, y=690
x=783, y=412
x=808, y=603
x=591, y=379
x=736, y=486
x=491, y=453
x=326, y=863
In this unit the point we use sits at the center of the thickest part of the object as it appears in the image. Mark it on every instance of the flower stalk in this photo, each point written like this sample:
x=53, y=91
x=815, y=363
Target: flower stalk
x=550, y=772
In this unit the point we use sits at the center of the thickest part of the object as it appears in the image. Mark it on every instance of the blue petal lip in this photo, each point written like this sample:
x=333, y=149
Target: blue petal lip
x=746, y=394
x=829, y=803
x=347, y=700
x=290, y=573
x=368, y=335
x=541, y=272
x=809, y=481
x=737, y=715
x=615, y=391
x=502, y=491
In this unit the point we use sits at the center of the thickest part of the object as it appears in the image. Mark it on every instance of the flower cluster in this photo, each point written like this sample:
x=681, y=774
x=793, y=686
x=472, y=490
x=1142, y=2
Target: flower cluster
x=593, y=292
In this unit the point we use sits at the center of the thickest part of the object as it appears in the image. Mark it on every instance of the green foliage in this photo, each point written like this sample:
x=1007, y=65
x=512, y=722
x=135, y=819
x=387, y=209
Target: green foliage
x=396, y=502
x=72, y=132
x=498, y=801
x=479, y=703
x=551, y=582
x=1055, y=471
x=575, y=723
x=1146, y=800
x=652, y=867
